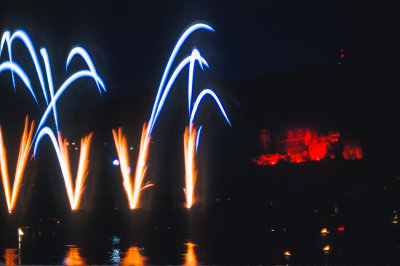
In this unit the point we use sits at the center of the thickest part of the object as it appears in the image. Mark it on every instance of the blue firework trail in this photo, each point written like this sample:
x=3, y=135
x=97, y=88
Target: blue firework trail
x=16, y=70
x=43, y=130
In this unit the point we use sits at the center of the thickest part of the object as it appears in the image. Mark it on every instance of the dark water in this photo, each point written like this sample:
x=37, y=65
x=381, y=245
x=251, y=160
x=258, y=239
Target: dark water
x=366, y=240
x=255, y=222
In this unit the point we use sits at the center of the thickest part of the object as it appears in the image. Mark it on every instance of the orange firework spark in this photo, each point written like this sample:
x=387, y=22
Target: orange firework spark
x=74, y=195
x=132, y=192
x=189, y=139
x=11, y=196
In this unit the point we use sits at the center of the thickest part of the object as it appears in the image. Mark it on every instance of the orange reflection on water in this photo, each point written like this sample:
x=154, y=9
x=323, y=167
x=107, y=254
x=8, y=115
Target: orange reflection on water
x=133, y=257
x=190, y=255
x=73, y=256
x=11, y=256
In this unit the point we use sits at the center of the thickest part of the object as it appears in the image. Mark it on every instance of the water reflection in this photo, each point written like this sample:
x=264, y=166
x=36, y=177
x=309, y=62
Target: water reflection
x=73, y=256
x=115, y=257
x=133, y=257
x=190, y=256
x=11, y=256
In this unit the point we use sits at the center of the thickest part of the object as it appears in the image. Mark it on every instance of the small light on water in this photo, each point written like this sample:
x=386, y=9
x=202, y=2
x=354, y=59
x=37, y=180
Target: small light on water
x=324, y=232
x=326, y=249
x=115, y=240
x=287, y=254
x=20, y=235
x=115, y=257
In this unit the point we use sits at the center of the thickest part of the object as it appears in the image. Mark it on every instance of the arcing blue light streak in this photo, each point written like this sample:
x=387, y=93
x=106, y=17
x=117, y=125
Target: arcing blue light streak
x=187, y=60
x=61, y=90
x=88, y=60
x=6, y=38
x=163, y=92
x=198, y=137
x=24, y=37
x=199, y=98
x=91, y=73
x=195, y=56
x=15, y=68
x=182, y=39
x=46, y=60
x=47, y=131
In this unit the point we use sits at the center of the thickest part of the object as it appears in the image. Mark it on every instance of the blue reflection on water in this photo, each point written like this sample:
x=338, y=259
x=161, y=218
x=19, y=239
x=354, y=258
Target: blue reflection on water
x=115, y=240
x=115, y=256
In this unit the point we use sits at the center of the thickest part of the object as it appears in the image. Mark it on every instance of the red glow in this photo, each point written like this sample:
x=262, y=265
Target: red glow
x=341, y=228
x=302, y=145
x=267, y=159
x=342, y=55
x=308, y=146
x=265, y=140
x=352, y=151
x=317, y=151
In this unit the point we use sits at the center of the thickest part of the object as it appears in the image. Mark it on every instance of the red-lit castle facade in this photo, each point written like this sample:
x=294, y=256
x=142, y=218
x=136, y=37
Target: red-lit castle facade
x=305, y=145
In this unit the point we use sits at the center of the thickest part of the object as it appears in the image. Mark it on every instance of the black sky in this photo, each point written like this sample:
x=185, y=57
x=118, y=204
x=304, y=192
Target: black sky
x=130, y=41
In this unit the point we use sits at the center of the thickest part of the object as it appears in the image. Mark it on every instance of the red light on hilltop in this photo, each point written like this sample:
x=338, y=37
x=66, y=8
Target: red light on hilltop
x=265, y=139
x=352, y=151
x=340, y=229
x=317, y=151
x=267, y=159
x=306, y=145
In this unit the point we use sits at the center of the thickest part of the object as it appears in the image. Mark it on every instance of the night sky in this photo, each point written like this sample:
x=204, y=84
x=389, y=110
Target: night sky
x=130, y=41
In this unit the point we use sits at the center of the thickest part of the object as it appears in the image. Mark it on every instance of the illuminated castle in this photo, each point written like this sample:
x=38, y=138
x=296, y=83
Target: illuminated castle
x=305, y=145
